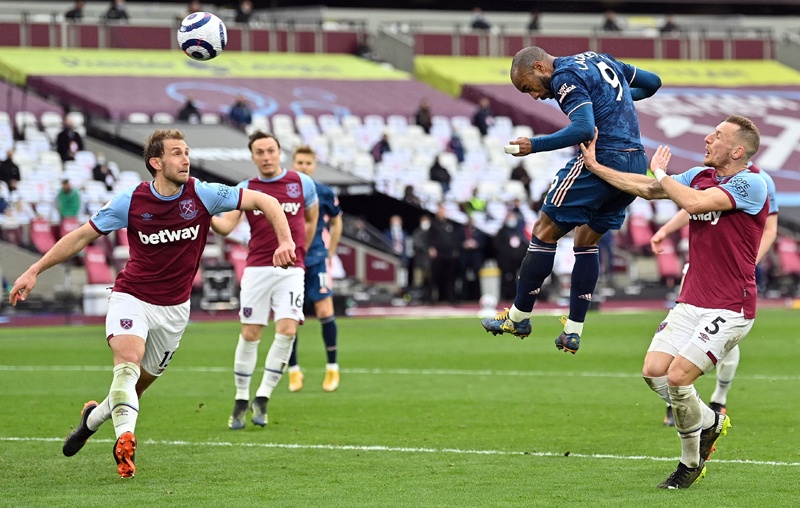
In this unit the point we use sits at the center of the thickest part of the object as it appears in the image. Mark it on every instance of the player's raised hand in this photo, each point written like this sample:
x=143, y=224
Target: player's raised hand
x=661, y=158
x=284, y=255
x=22, y=288
x=655, y=242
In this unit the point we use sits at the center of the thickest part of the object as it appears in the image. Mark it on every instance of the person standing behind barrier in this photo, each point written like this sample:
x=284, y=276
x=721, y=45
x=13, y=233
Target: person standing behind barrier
x=318, y=280
x=422, y=278
x=445, y=239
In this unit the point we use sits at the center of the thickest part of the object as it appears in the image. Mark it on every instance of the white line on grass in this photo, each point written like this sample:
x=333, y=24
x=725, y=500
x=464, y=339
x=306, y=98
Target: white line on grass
x=404, y=449
x=412, y=372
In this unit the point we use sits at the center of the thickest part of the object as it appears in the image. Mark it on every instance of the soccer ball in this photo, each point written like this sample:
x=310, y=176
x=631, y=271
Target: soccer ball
x=202, y=36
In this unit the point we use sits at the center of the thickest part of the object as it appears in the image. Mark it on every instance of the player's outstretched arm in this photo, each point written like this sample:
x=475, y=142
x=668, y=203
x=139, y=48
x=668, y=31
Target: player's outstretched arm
x=579, y=130
x=638, y=185
x=227, y=222
x=64, y=249
x=284, y=255
x=679, y=221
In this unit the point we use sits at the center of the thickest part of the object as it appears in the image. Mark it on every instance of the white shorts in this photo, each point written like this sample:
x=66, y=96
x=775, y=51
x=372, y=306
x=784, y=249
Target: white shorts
x=161, y=327
x=269, y=288
x=702, y=336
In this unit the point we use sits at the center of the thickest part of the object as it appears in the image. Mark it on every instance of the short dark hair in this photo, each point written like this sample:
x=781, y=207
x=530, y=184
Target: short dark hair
x=154, y=145
x=256, y=135
x=748, y=134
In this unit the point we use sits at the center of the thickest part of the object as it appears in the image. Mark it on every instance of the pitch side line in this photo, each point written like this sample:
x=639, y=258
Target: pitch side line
x=403, y=372
x=404, y=449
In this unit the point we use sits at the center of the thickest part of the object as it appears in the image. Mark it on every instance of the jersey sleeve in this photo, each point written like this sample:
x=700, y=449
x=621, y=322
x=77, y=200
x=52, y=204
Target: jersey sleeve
x=687, y=176
x=748, y=191
x=772, y=191
x=114, y=214
x=218, y=197
x=309, y=190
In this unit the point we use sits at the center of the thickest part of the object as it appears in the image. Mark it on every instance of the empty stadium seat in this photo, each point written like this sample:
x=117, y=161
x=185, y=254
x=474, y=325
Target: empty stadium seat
x=163, y=118
x=42, y=235
x=670, y=268
x=138, y=118
x=98, y=271
x=237, y=257
x=788, y=256
x=68, y=225
x=210, y=119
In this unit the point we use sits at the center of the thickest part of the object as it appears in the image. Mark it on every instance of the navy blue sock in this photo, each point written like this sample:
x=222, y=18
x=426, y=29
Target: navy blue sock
x=329, y=336
x=535, y=268
x=584, y=279
x=293, y=356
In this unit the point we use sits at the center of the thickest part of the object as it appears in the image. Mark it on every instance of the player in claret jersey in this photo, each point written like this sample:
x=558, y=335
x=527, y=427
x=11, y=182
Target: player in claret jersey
x=728, y=207
x=592, y=90
x=167, y=220
x=267, y=287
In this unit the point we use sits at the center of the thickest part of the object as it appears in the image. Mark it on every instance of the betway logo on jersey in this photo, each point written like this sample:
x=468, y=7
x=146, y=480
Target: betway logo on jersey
x=712, y=217
x=564, y=90
x=168, y=235
x=289, y=208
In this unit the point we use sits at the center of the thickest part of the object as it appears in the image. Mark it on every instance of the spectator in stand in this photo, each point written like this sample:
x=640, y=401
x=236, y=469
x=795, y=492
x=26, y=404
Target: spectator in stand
x=484, y=117
x=669, y=25
x=102, y=173
x=423, y=116
x=244, y=12
x=240, y=114
x=610, y=23
x=9, y=171
x=472, y=256
x=400, y=242
x=411, y=198
x=533, y=24
x=510, y=246
x=68, y=142
x=456, y=147
x=117, y=11
x=76, y=13
x=446, y=238
x=194, y=6
x=520, y=174
x=4, y=196
x=68, y=200
x=420, y=239
x=361, y=232
x=439, y=173
x=189, y=112
x=474, y=203
x=479, y=21
x=380, y=148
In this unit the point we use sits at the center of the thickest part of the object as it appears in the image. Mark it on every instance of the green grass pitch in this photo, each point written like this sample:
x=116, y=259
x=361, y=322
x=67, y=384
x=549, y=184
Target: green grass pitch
x=430, y=412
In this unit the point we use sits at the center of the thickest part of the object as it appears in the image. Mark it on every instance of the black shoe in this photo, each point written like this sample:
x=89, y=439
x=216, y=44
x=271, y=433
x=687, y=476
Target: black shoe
x=709, y=436
x=684, y=477
x=236, y=420
x=259, y=408
x=78, y=437
x=718, y=408
x=669, y=418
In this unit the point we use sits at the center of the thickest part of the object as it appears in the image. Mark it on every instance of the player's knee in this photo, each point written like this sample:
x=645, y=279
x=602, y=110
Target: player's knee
x=251, y=333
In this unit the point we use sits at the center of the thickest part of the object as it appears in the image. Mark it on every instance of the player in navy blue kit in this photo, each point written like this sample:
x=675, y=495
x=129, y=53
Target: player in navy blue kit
x=319, y=285
x=592, y=90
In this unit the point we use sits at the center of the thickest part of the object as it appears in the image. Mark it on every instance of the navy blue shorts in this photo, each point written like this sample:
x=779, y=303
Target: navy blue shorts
x=319, y=284
x=578, y=197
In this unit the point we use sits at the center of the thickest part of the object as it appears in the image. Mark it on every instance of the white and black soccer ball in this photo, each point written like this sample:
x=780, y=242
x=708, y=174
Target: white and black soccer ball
x=202, y=36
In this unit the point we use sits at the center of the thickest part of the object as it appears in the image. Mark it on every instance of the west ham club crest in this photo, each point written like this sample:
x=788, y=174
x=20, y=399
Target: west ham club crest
x=187, y=208
x=293, y=190
x=126, y=324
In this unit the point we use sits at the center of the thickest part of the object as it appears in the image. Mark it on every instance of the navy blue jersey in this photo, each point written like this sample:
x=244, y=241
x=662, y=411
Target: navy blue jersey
x=328, y=207
x=602, y=83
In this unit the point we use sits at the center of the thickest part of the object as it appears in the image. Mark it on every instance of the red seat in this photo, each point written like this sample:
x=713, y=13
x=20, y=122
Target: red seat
x=788, y=257
x=42, y=235
x=98, y=271
x=669, y=266
x=640, y=231
x=122, y=237
x=68, y=225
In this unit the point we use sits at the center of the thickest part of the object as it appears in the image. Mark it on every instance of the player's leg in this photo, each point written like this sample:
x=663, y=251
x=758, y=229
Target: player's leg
x=327, y=320
x=286, y=300
x=295, y=373
x=585, y=274
x=535, y=268
x=726, y=370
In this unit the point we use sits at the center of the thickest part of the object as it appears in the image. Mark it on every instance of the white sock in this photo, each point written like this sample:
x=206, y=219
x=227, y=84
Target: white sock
x=726, y=370
x=99, y=415
x=123, y=399
x=659, y=385
x=277, y=358
x=332, y=366
x=573, y=327
x=244, y=364
x=294, y=368
x=517, y=315
x=688, y=422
